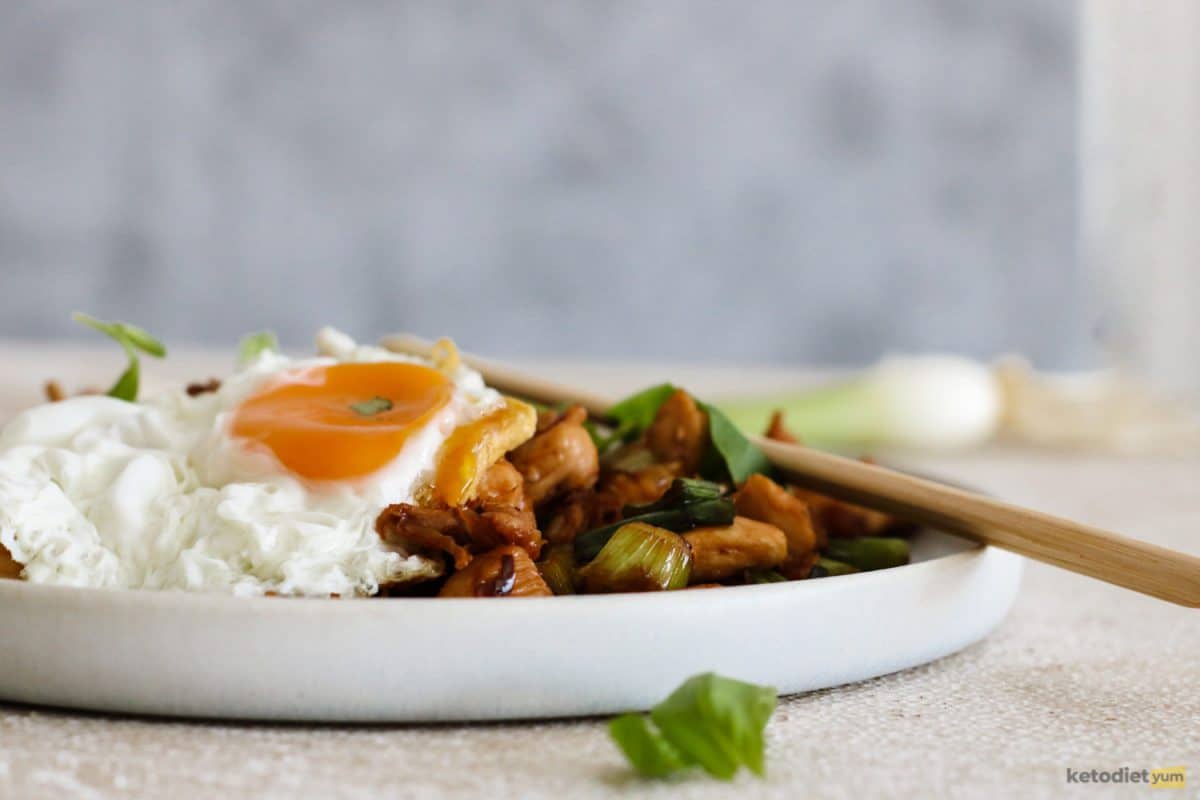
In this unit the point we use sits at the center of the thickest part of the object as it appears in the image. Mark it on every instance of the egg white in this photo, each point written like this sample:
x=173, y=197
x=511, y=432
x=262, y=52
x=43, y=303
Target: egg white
x=157, y=495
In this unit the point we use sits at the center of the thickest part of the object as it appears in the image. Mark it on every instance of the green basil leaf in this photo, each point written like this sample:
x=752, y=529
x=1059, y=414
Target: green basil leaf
x=369, y=408
x=710, y=721
x=131, y=338
x=647, y=750
x=731, y=454
x=254, y=344
x=635, y=413
x=717, y=723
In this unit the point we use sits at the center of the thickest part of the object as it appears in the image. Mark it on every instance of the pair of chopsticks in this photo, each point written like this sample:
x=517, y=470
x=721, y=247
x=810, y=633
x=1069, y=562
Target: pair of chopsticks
x=1110, y=557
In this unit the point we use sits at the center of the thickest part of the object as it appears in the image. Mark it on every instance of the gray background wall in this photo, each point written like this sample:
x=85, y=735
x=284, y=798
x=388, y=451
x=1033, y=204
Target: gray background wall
x=769, y=180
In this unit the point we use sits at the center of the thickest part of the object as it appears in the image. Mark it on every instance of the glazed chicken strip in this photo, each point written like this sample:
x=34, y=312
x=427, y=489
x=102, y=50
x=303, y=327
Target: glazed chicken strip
x=582, y=510
x=503, y=572
x=640, y=486
x=838, y=519
x=679, y=433
x=423, y=531
x=464, y=532
x=763, y=499
x=719, y=553
x=561, y=458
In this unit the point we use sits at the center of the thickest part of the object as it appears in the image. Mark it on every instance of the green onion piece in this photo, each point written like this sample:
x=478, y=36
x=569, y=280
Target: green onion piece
x=830, y=567
x=688, y=503
x=558, y=568
x=132, y=339
x=639, y=558
x=681, y=492
x=254, y=344
x=764, y=576
x=869, y=552
x=718, y=511
x=714, y=722
x=923, y=401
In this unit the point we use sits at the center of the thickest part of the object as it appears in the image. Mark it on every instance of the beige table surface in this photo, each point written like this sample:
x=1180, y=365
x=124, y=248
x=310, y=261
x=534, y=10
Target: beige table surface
x=1080, y=676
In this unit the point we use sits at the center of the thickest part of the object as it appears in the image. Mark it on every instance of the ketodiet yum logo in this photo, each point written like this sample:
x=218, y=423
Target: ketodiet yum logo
x=1161, y=778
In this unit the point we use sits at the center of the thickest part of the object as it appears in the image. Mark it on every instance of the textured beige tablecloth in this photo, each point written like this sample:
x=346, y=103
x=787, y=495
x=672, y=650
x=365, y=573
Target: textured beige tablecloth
x=1081, y=676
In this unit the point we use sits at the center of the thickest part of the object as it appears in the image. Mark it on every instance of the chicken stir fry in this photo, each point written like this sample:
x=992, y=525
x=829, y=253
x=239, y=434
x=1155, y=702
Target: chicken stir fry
x=663, y=498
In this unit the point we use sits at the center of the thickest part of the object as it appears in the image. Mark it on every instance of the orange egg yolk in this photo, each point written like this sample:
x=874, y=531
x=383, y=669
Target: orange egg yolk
x=342, y=421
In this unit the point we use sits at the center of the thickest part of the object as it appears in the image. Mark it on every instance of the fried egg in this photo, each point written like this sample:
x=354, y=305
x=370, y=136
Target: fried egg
x=271, y=484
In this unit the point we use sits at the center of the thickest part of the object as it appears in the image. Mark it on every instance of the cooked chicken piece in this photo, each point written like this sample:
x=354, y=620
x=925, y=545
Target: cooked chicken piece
x=719, y=553
x=503, y=572
x=763, y=499
x=679, y=432
x=459, y=532
x=778, y=432
x=561, y=458
x=641, y=486
x=423, y=531
x=839, y=519
x=9, y=568
x=547, y=418
x=581, y=510
x=491, y=526
x=502, y=485
x=800, y=568
x=578, y=511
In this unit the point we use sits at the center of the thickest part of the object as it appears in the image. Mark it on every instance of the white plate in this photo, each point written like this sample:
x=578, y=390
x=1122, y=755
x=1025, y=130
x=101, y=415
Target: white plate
x=472, y=659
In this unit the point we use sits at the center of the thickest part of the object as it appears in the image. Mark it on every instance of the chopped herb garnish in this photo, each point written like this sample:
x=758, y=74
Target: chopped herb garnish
x=132, y=339
x=254, y=344
x=370, y=408
x=712, y=722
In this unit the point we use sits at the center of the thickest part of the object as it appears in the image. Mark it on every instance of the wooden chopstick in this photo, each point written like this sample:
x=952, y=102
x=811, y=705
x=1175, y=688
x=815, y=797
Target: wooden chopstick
x=1096, y=553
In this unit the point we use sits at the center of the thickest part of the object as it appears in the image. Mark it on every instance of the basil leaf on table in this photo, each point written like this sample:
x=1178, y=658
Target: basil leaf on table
x=646, y=749
x=711, y=721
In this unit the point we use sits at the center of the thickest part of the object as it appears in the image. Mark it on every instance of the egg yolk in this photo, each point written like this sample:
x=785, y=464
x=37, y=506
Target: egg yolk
x=342, y=421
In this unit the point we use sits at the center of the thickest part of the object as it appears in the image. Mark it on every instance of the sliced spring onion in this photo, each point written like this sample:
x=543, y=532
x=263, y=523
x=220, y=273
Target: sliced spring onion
x=764, y=576
x=558, y=568
x=639, y=558
x=687, y=504
x=826, y=567
x=869, y=552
